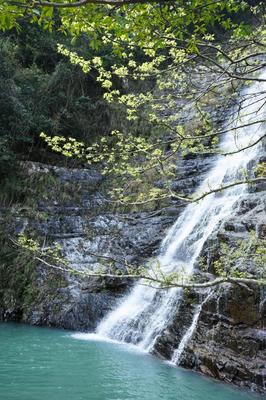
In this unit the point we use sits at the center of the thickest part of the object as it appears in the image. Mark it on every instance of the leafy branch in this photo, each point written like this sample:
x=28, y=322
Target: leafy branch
x=51, y=258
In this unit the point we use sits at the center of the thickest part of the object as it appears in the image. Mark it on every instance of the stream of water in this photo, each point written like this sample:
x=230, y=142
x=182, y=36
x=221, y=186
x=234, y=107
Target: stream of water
x=143, y=315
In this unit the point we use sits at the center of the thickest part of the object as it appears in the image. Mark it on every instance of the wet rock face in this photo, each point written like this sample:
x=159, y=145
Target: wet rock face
x=72, y=211
x=77, y=305
x=230, y=340
x=190, y=173
x=166, y=345
x=70, y=208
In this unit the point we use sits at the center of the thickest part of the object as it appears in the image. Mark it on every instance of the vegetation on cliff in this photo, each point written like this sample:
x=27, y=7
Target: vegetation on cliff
x=152, y=60
x=108, y=83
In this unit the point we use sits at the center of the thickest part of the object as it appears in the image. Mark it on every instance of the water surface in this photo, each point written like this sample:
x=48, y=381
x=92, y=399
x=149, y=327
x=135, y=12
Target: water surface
x=50, y=364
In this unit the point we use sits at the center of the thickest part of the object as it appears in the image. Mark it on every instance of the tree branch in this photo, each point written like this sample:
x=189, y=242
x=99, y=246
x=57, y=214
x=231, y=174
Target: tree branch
x=189, y=199
x=81, y=3
x=161, y=282
x=221, y=188
x=233, y=75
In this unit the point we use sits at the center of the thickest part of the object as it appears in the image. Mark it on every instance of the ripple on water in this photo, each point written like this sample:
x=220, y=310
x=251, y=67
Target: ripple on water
x=51, y=364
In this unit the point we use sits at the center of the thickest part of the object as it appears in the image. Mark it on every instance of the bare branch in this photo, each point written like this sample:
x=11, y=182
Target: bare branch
x=224, y=187
x=81, y=3
x=244, y=148
x=233, y=75
x=173, y=195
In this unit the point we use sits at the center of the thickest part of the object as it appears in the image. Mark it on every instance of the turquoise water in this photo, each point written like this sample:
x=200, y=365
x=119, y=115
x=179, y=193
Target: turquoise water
x=49, y=364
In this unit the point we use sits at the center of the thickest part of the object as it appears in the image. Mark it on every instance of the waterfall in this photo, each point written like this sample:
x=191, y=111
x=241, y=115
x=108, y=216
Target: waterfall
x=141, y=317
x=189, y=333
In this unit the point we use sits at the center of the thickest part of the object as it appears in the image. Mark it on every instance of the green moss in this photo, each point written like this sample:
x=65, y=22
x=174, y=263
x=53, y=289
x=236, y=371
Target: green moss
x=20, y=287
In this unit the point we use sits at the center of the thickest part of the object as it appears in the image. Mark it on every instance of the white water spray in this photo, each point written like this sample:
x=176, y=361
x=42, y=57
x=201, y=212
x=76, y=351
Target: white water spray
x=143, y=315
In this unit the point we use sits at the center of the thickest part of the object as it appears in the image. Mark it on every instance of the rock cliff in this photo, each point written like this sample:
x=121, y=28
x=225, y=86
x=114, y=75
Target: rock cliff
x=71, y=209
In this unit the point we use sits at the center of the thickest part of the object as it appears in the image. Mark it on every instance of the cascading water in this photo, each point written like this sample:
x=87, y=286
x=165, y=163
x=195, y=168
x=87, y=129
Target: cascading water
x=189, y=333
x=142, y=316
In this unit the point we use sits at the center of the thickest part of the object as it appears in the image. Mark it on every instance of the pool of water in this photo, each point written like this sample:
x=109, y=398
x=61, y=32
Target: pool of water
x=50, y=364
